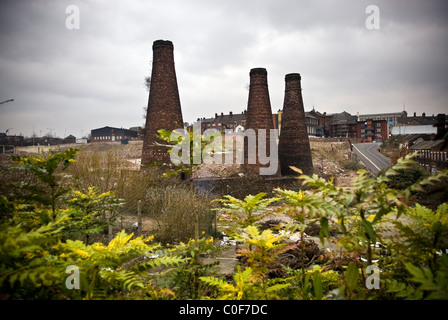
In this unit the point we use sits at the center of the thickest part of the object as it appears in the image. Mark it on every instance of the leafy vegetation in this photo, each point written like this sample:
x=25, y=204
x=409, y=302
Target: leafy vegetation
x=46, y=224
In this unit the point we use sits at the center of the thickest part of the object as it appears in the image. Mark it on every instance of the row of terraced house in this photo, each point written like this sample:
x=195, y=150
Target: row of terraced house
x=359, y=127
x=365, y=127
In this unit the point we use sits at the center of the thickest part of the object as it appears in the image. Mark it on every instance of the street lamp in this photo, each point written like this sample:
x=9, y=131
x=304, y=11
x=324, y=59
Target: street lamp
x=10, y=100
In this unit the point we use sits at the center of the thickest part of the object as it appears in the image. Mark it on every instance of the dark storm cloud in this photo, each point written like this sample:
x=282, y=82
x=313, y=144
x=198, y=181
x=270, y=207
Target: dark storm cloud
x=82, y=79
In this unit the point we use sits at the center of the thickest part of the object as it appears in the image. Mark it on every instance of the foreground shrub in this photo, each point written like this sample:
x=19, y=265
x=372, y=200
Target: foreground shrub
x=37, y=256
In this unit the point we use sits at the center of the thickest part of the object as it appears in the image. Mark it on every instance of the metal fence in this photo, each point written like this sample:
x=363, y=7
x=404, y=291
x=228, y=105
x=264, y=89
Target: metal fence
x=7, y=149
x=433, y=160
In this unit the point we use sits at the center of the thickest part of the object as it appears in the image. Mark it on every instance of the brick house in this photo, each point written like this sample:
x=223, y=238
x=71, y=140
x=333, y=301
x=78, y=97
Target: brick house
x=224, y=121
x=312, y=122
x=372, y=130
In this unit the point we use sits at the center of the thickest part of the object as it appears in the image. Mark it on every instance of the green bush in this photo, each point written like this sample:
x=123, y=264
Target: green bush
x=406, y=177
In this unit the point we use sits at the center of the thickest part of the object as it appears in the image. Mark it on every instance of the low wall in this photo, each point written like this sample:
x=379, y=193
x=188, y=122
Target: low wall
x=210, y=185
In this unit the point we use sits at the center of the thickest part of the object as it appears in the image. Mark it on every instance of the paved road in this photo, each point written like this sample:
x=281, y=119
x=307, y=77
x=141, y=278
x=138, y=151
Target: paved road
x=369, y=155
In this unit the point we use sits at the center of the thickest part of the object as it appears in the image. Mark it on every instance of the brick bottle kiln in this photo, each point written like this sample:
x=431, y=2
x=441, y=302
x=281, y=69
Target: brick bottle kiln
x=259, y=116
x=294, y=146
x=164, y=110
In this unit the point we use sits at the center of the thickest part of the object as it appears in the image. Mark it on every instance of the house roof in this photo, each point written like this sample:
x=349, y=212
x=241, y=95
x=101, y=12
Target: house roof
x=117, y=131
x=309, y=115
x=423, y=145
x=413, y=137
x=224, y=118
x=421, y=120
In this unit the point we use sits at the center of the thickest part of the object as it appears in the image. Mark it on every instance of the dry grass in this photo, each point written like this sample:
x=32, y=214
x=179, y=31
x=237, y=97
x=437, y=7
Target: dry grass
x=167, y=204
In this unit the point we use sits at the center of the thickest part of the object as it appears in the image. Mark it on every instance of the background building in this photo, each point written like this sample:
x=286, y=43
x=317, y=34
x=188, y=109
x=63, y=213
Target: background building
x=110, y=134
x=392, y=118
x=341, y=125
x=222, y=122
x=312, y=122
x=372, y=130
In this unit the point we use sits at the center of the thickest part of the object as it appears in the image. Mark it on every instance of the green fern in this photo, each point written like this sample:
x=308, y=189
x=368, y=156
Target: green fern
x=247, y=286
x=248, y=211
x=433, y=284
x=27, y=259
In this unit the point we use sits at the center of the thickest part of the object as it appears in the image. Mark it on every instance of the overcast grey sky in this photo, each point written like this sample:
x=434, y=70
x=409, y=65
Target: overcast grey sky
x=69, y=81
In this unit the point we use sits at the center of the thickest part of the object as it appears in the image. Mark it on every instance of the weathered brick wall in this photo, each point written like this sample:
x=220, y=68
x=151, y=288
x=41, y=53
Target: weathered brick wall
x=259, y=114
x=164, y=110
x=294, y=146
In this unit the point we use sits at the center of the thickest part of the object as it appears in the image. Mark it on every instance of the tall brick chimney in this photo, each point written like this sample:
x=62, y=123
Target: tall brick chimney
x=164, y=110
x=258, y=116
x=441, y=126
x=294, y=146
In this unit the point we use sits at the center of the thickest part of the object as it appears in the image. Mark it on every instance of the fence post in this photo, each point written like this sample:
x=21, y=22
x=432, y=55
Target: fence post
x=216, y=223
x=109, y=227
x=139, y=217
x=196, y=227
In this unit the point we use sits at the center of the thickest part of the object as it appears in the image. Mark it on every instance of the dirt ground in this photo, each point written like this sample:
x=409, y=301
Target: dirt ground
x=328, y=158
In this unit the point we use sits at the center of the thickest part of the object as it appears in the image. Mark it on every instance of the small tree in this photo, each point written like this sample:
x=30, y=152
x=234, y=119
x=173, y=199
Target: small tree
x=91, y=212
x=48, y=170
x=248, y=211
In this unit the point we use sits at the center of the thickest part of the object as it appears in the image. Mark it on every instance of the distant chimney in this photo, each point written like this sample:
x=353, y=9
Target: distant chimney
x=294, y=146
x=415, y=114
x=164, y=110
x=441, y=125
